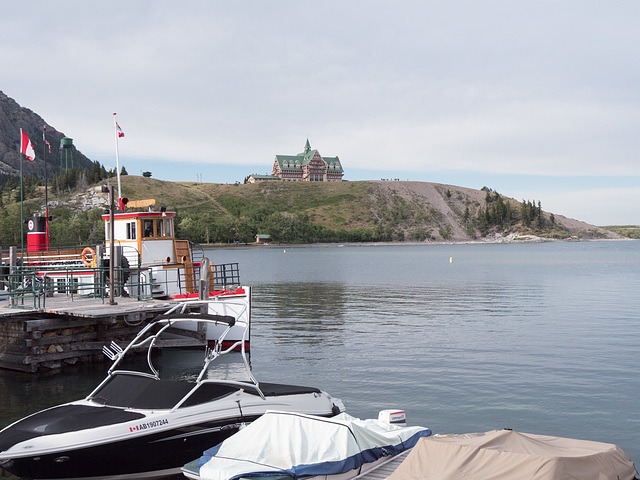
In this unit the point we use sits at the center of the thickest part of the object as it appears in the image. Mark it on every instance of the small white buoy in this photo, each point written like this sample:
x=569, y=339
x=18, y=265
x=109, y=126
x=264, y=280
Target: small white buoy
x=284, y=251
x=450, y=259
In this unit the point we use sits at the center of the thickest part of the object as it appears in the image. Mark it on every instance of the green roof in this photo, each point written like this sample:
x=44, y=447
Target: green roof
x=296, y=162
x=264, y=177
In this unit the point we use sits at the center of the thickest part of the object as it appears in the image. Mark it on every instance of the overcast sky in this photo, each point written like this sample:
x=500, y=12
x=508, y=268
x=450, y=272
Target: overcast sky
x=538, y=100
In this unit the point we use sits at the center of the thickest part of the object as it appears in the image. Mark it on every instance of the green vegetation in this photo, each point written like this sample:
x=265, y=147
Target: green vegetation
x=629, y=231
x=290, y=212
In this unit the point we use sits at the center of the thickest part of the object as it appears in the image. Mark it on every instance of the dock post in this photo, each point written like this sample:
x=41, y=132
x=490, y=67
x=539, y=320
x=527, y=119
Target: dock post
x=203, y=286
x=117, y=263
x=97, y=276
x=13, y=267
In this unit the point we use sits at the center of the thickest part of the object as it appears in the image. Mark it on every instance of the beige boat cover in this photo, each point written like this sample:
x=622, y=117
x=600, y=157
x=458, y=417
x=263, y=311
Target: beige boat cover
x=509, y=455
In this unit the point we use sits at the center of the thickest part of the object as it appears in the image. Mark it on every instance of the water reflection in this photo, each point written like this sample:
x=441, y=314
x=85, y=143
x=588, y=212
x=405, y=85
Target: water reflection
x=312, y=313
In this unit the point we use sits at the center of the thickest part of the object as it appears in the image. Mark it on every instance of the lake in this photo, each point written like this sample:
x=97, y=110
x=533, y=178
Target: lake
x=540, y=338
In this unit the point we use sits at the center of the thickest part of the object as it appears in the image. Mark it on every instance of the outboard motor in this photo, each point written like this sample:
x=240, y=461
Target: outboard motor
x=393, y=417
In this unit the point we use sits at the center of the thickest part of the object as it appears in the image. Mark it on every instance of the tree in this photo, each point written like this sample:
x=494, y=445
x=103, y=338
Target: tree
x=146, y=174
x=123, y=171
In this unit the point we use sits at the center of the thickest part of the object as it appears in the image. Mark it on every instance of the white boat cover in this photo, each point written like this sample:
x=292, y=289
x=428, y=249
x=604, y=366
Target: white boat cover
x=509, y=455
x=283, y=443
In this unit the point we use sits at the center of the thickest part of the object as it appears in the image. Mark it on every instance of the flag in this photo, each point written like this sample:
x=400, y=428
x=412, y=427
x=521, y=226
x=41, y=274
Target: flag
x=46, y=142
x=119, y=130
x=25, y=146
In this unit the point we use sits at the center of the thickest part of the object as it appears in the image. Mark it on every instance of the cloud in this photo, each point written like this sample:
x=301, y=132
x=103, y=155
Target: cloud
x=528, y=88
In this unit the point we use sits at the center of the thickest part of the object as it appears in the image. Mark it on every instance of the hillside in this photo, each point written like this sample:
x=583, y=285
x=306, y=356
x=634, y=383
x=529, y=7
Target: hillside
x=13, y=117
x=392, y=210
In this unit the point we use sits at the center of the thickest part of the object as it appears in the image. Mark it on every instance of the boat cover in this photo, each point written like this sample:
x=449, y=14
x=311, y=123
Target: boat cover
x=283, y=443
x=505, y=454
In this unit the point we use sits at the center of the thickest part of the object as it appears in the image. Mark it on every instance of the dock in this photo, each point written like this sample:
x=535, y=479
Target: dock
x=66, y=332
x=384, y=470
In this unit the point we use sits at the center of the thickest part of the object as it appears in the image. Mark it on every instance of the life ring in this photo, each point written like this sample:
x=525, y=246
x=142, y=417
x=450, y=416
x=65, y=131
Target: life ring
x=90, y=251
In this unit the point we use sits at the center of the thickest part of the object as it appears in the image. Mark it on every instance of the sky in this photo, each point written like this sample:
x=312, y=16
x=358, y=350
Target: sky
x=537, y=100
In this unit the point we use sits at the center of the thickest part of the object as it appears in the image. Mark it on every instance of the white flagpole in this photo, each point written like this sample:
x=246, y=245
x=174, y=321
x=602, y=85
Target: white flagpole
x=115, y=131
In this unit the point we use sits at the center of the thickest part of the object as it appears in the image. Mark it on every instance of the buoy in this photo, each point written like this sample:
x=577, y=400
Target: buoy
x=88, y=251
x=450, y=259
x=284, y=251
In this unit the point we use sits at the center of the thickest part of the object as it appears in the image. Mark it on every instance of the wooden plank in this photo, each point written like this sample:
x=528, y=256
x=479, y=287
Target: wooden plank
x=56, y=324
x=384, y=470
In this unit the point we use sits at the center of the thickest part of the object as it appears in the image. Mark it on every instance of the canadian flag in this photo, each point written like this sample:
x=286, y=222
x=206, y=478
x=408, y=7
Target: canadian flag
x=25, y=146
x=119, y=130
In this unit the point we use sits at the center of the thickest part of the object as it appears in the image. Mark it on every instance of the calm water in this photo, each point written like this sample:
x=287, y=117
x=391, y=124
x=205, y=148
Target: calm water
x=541, y=338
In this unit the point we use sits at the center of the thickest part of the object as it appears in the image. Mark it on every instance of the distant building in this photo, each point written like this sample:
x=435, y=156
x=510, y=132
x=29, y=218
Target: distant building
x=262, y=178
x=263, y=238
x=308, y=166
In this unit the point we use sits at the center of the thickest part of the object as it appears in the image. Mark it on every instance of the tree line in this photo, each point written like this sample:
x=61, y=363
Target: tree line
x=501, y=215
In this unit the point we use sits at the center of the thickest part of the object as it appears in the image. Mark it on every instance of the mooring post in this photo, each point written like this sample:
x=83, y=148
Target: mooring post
x=98, y=277
x=118, y=266
x=203, y=286
x=13, y=267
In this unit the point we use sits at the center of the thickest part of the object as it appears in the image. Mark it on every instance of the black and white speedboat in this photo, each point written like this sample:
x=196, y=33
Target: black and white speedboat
x=136, y=424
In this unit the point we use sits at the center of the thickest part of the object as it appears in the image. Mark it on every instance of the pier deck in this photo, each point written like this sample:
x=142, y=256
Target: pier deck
x=67, y=331
x=384, y=470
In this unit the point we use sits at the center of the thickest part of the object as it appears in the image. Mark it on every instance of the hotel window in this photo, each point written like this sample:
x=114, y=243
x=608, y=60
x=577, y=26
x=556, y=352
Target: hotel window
x=107, y=230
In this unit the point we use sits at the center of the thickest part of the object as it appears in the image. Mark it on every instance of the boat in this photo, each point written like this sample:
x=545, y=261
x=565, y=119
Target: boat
x=149, y=262
x=139, y=424
x=510, y=455
x=285, y=445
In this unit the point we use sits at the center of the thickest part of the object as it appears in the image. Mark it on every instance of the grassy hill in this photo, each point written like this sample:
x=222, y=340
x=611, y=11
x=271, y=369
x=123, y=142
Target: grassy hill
x=376, y=210
x=302, y=212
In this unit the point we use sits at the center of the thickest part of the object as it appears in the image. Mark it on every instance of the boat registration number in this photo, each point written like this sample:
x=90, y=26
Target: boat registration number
x=145, y=426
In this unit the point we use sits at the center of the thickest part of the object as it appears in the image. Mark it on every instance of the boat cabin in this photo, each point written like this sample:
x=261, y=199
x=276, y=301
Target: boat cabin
x=149, y=234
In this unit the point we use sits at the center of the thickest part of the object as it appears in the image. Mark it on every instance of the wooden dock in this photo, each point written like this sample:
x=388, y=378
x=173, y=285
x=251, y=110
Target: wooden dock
x=384, y=470
x=68, y=331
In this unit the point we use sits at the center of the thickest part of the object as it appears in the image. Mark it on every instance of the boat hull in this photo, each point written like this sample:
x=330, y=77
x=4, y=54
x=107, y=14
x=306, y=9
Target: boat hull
x=142, y=444
x=141, y=456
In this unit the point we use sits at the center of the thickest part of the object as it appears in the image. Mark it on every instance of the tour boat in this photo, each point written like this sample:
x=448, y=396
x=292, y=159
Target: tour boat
x=148, y=262
x=136, y=424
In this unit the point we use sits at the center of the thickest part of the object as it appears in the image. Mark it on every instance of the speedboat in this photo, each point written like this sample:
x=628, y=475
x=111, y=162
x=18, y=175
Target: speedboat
x=135, y=424
x=286, y=445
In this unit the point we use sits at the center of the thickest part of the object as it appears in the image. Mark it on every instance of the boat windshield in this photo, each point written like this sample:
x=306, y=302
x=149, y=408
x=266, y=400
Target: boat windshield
x=135, y=391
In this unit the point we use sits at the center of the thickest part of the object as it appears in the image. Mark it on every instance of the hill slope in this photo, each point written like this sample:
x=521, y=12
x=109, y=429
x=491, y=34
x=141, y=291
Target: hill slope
x=395, y=210
x=13, y=117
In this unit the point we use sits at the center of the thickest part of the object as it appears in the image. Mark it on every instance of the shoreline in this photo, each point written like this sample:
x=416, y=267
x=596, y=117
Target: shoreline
x=514, y=240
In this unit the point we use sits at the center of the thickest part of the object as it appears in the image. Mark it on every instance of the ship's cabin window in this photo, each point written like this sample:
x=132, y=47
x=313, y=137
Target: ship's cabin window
x=147, y=228
x=158, y=227
x=131, y=230
x=165, y=227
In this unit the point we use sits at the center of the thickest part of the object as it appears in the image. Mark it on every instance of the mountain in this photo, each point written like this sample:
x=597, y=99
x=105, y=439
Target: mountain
x=13, y=117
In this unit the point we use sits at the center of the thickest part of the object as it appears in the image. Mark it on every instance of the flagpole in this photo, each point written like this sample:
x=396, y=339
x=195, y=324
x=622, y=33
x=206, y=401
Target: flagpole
x=21, y=214
x=46, y=193
x=115, y=131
